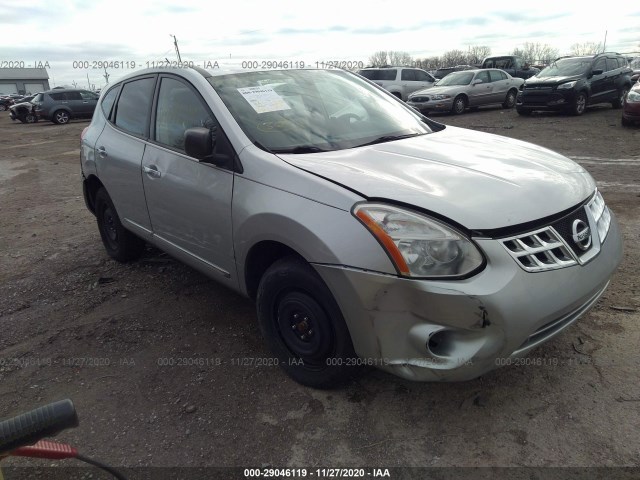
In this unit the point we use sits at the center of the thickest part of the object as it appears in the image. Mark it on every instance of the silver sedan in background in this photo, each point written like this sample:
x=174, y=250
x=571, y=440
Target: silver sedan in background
x=468, y=89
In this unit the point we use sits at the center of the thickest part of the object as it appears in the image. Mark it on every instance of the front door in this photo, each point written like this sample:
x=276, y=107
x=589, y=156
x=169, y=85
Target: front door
x=189, y=201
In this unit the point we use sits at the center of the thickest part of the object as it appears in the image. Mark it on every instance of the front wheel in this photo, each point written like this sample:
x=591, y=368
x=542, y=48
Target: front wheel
x=510, y=99
x=61, y=117
x=303, y=326
x=120, y=243
x=459, y=105
x=622, y=94
x=579, y=104
x=31, y=118
x=625, y=122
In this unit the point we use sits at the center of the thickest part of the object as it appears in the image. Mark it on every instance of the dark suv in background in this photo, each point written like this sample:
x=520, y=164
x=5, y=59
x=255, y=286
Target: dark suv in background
x=572, y=83
x=61, y=105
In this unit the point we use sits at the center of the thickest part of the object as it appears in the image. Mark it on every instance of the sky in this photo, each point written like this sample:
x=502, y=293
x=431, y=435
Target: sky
x=72, y=34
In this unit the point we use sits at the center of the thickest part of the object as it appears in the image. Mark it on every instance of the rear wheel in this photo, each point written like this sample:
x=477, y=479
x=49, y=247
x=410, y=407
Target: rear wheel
x=302, y=324
x=120, y=243
x=510, y=99
x=459, y=105
x=619, y=101
x=61, y=117
x=579, y=104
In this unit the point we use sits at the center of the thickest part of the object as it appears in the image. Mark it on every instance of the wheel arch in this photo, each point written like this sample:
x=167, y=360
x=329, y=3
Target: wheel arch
x=258, y=260
x=90, y=187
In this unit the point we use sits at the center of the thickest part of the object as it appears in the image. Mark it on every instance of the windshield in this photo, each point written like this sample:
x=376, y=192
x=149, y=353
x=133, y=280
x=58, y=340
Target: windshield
x=566, y=67
x=301, y=111
x=372, y=74
x=456, y=78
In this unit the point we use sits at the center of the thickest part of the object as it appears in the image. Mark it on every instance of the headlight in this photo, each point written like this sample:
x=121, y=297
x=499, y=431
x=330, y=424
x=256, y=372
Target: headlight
x=633, y=96
x=567, y=85
x=440, y=96
x=419, y=246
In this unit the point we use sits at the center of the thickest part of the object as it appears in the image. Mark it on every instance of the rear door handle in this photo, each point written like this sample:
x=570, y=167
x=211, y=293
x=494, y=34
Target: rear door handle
x=152, y=171
x=102, y=152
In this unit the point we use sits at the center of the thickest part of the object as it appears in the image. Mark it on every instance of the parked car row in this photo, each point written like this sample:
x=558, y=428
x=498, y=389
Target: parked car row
x=58, y=105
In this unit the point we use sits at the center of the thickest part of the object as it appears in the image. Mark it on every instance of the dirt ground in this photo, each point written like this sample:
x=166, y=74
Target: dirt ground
x=147, y=351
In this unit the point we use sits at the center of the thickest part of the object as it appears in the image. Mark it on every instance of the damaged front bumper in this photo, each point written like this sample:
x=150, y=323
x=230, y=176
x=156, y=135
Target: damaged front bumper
x=429, y=330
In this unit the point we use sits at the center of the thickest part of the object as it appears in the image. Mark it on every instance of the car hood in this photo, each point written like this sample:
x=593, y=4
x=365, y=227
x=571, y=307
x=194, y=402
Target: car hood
x=479, y=180
x=552, y=79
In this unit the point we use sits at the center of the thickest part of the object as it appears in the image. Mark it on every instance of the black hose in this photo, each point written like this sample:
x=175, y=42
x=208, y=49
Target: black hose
x=101, y=465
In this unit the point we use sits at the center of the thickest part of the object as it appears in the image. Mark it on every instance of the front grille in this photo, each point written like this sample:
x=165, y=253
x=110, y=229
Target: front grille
x=419, y=99
x=539, y=250
x=564, y=228
x=574, y=239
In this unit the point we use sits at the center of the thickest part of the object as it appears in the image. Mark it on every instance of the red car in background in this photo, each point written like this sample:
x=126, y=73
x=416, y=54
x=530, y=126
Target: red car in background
x=631, y=106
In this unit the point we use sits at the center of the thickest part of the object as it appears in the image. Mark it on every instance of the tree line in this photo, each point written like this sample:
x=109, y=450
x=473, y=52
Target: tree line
x=532, y=53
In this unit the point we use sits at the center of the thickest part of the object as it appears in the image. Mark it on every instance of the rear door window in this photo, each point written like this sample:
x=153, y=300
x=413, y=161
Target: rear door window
x=497, y=75
x=132, y=110
x=73, y=96
x=408, y=74
x=59, y=96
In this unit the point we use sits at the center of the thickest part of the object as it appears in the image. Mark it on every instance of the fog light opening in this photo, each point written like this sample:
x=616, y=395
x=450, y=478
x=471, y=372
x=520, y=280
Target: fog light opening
x=440, y=343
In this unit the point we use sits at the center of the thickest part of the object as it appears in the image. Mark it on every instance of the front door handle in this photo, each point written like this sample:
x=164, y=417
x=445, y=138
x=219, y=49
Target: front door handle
x=102, y=152
x=152, y=171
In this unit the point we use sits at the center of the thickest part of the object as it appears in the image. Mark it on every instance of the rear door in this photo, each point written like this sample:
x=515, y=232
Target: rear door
x=500, y=85
x=120, y=148
x=75, y=103
x=189, y=201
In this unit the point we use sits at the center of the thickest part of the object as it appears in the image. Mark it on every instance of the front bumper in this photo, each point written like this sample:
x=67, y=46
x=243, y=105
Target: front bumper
x=545, y=99
x=432, y=105
x=458, y=330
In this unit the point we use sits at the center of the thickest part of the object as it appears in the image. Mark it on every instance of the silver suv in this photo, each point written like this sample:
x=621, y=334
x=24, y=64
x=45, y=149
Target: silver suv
x=366, y=233
x=401, y=81
x=61, y=105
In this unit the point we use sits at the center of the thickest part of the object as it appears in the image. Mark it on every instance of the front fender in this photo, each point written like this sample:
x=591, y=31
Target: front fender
x=318, y=232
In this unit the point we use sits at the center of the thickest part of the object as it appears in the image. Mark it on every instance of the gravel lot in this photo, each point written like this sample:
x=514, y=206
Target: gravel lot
x=76, y=324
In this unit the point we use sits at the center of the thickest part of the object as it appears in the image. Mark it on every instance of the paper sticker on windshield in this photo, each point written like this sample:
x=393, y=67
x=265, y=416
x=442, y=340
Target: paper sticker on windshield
x=263, y=99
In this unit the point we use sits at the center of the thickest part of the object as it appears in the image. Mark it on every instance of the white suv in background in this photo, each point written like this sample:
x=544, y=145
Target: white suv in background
x=401, y=81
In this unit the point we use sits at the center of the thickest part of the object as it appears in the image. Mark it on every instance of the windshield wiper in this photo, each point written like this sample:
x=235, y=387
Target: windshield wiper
x=300, y=149
x=389, y=138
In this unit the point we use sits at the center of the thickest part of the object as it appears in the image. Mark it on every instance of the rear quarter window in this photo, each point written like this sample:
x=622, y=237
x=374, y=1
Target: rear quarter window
x=108, y=101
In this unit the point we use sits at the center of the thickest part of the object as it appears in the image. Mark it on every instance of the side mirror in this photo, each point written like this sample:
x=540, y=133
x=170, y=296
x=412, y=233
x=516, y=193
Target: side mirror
x=198, y=143
x=476, y=81
x=597, y=72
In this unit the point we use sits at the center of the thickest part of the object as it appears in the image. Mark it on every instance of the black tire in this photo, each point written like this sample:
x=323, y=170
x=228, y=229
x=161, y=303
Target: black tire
x=31, y=118
x=579, y=104
x=459, y=105
x=397, y=95
x=22, y=119
x=61, y=117
x=120, y=243
x=619, y=101
x=625, y=122
x=303, y=326
x=523, y=112
x=3, y=108
x=510, y=99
